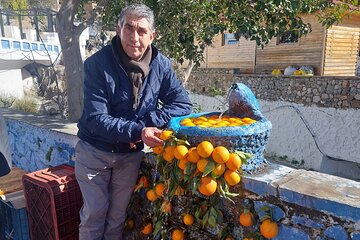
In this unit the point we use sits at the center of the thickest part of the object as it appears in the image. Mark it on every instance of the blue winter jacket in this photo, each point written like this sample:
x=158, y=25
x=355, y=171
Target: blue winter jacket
x=108, y=121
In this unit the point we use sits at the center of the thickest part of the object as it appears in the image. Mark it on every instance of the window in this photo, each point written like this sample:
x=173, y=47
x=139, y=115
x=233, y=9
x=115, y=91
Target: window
x=5, y=44
x=42, y=47
x=56, y=49
x=49, y=48
x=230, y=39
x=26, y=46
x=16, y=45
x=288, y=37
x=34, y=46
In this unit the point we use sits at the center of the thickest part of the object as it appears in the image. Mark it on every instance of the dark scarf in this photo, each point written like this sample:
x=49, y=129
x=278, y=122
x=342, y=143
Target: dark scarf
x=136, y=70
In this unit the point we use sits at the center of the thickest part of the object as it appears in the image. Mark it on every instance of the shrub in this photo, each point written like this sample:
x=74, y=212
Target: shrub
x=26, y=104
x=6, y=101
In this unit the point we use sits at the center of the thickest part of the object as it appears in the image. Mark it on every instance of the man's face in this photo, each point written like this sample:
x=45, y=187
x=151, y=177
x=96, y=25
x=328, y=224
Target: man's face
x=135, y=36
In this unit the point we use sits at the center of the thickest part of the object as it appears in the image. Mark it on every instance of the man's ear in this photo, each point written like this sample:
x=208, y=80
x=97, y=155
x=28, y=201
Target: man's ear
x=118, y=29
x=152, y=37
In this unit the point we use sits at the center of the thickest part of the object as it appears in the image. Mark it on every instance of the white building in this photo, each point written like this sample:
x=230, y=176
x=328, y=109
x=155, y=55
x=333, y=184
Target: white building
x=16, y=53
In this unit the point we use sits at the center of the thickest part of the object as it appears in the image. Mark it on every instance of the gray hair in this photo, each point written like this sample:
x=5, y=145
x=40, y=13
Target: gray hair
x=140, y=11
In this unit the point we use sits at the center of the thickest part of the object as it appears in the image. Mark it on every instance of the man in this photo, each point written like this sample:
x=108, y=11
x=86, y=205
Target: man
x=124, y=83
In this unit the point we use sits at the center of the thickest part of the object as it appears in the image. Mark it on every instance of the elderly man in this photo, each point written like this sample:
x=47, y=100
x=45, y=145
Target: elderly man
x=130, y=92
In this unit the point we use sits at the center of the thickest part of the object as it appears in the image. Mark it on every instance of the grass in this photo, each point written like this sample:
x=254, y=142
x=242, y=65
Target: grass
x=26, y=104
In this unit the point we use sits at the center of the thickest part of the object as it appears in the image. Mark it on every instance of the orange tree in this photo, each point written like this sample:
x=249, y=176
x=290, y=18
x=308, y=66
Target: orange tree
x=201, y=174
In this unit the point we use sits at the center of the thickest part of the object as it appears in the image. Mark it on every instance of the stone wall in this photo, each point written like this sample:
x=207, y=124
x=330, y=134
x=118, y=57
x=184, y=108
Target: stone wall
x=336, y=92
x=38, y=142
x=305, y=204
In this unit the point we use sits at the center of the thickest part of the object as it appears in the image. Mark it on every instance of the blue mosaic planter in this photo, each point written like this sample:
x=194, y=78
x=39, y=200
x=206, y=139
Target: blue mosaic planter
x=250, y=138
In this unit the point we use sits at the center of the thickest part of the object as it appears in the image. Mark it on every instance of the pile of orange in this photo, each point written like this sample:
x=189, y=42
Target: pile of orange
x=215, y=121
x=213, y=169
x=212, y=163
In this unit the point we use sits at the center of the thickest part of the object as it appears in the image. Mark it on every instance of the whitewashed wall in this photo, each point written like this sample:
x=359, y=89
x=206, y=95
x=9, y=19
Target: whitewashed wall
x=11, y=83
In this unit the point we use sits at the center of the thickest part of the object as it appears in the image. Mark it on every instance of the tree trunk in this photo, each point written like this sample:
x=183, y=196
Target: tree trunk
x=69, y=35
x=69, y=39
x=74, y=76
x=188, y=71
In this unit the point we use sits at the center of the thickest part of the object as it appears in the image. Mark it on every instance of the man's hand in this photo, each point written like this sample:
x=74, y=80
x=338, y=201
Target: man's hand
x=150, y=136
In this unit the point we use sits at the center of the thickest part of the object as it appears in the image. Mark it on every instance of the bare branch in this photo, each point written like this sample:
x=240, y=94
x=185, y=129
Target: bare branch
x=89, y=21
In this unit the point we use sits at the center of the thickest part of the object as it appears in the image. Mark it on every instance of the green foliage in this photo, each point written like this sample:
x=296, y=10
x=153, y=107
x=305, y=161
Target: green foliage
x=15, y=4
x=336, y=13
x=185, y=28
x=111, y=14
x=42, y=4
x=6, y=101
x=213, y=91
x=25, y=105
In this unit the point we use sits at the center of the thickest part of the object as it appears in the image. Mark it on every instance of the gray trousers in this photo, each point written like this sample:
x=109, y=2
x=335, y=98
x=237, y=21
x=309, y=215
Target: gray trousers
x=106, y=181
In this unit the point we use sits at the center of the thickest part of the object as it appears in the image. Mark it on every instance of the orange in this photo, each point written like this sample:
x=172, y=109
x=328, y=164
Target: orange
x=151, y=195
x=165, y=135
x=203, y=208
x=182, y=164
x=142, y=182
x=205, y=149
x=239, y=122
x=180, y=151
x=198, y=122
x=185, y=121
x=269, y=228
x=234, y=162
x=170, y=149
x=188, y=219
x=232, y=177
x=219, y=169
x=205, y=125
x=169, y=153
x=201, y=164
x=189, y=124
x=147, y=229
x=221, y=124
x=159, y=189
x=129, y=224
x=220, y=154
x=246, y=219
x=168, y=157
x=203, y=118
x=177, y=234
x=229, y=238
x=248, y=120
x=232, y=119
x=158, y=150
x=212, y=121
x=166, y=206
x=207, y=186
x=193, y=155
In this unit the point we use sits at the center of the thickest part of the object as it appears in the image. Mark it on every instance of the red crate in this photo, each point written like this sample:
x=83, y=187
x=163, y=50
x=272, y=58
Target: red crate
x=53, y=200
